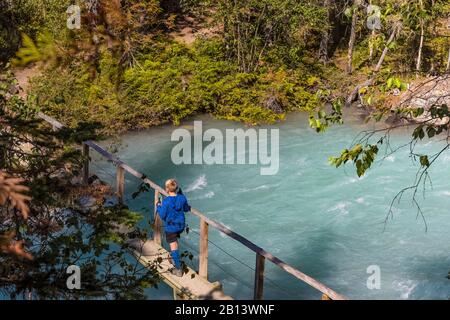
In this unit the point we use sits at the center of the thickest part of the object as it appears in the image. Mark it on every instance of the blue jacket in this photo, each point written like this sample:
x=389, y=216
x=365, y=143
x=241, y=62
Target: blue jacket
x=172, y=212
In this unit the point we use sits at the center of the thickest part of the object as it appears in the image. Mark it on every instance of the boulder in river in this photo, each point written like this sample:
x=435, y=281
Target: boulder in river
x=427, y=93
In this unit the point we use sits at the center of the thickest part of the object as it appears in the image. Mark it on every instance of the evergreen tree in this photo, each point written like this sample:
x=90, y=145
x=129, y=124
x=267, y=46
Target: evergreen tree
x=43, y=227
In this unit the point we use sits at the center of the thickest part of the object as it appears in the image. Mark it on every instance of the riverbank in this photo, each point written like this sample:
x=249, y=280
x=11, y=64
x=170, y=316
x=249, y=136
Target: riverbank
x=169, y=84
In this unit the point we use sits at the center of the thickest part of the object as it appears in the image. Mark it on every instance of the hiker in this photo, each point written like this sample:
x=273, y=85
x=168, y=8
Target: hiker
x=171, y=211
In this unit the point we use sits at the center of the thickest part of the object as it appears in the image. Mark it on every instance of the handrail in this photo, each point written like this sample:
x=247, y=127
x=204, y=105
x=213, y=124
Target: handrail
x=217, y=225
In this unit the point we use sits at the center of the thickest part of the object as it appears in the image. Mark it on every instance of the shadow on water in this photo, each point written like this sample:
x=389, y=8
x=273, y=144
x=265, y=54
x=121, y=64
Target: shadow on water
x=425, y=270
x=314, y=258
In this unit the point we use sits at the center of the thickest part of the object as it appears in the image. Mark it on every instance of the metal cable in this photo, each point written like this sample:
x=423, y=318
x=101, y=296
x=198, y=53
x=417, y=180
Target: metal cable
x=221, y=268
x=272, y=282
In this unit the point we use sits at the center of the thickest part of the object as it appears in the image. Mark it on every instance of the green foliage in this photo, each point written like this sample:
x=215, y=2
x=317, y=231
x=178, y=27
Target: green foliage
x=363, y=154
x=362, y=157
x=323, y=120
x=170, y=83
x=268, y=30
x=395, y=83
x=43, y=50
x=262, y=66
x=29, y=17
x=59, y=232
x=17, y=17
x=424, y=161
x=122, y=72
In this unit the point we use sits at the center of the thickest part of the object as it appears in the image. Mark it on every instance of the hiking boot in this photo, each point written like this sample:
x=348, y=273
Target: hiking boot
x=176, y=272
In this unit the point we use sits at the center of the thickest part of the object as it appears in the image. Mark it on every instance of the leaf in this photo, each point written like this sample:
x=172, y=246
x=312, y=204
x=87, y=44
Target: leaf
x=418, y=133
x=9, y=245
x=321, y=114
x=363, y=90
x=348, y=12
x=359, y=168
x=28, y=53
x=392, y=45
x=424, y=161
x=418, y=112
x=12, y=190
x=389, y=83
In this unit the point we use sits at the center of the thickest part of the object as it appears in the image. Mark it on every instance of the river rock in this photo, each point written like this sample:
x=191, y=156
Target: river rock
x=426, y=94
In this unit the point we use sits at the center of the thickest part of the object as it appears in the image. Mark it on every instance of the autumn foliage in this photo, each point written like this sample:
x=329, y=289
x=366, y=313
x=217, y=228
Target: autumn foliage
x=12, y=195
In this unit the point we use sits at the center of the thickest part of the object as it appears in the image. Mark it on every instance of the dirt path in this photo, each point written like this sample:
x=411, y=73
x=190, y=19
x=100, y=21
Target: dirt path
x=189, y=29
x=24, y=76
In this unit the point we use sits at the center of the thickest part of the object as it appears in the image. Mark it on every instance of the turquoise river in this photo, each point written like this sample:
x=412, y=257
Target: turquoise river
x=324, y=221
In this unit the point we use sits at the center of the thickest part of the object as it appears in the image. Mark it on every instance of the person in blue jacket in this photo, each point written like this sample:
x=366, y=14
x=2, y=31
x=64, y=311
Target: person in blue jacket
x=171, y=211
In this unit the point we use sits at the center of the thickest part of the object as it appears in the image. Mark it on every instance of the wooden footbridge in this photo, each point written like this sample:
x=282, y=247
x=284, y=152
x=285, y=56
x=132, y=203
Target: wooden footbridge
x=192, y=285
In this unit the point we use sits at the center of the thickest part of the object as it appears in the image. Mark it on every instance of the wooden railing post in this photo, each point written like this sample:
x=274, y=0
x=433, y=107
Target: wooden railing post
x=203, y=259
x=157, y=220
x=120, y=183
x=85, y=173
x=259, y=278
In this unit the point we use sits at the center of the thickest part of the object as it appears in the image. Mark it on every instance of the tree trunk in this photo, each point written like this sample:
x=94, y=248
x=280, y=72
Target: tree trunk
x=448, y=60
x=422, y=36
x=371, y=42
x=323, y=49
x=371, y=45
x=419, y=54
x=351, y=43
x=353, y=94
x=386, y=48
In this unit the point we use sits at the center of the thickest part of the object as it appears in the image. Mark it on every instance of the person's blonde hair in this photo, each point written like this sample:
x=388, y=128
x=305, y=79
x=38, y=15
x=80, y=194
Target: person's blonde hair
x=172, y=185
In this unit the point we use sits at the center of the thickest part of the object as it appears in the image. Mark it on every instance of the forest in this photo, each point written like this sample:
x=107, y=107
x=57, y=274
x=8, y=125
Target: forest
x=253, y=61
x=106, y=67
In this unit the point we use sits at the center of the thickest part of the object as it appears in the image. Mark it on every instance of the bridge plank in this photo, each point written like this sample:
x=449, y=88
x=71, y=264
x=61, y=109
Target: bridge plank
x=191, y=285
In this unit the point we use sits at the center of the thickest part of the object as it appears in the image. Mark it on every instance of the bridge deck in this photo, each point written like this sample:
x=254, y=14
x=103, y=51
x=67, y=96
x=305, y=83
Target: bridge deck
x=191, y=286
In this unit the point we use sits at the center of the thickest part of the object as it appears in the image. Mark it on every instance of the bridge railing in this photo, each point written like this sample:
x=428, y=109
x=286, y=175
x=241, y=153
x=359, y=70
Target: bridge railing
x=261, y=255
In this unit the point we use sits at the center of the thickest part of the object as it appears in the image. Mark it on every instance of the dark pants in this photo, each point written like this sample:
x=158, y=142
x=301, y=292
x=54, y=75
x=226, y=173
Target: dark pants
x=172, y=236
